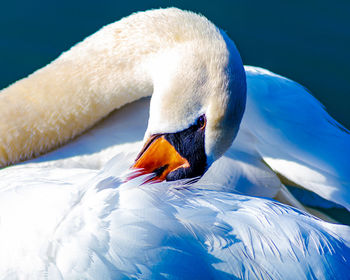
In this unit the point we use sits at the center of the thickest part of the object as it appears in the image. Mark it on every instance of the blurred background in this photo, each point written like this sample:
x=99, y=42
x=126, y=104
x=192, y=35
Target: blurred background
x=307, y=41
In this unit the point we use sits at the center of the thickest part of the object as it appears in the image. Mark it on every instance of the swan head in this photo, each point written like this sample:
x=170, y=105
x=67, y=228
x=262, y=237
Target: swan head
x=197, y=105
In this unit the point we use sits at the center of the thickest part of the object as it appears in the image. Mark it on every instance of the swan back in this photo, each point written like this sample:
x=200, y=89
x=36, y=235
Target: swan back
x=295, y=136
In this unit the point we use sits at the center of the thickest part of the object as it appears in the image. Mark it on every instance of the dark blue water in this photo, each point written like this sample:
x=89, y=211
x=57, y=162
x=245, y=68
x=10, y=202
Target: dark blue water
x=308, y=41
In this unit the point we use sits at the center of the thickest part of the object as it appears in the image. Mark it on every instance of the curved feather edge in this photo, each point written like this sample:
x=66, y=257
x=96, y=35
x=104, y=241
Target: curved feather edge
x=295, y=136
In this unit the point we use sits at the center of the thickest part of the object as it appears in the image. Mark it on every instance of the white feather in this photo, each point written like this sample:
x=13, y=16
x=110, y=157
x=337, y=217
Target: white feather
x=103, y=228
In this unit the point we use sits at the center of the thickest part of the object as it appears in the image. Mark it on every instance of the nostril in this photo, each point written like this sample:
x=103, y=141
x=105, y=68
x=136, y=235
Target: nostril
x=159, y=171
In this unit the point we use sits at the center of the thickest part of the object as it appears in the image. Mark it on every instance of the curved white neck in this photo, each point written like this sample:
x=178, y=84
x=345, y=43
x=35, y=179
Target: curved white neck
x=71, y=94
x=102, y=73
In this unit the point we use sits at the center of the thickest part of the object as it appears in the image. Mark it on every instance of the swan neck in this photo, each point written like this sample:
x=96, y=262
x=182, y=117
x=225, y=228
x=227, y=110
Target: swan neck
x=71, y=94
x=116, y=65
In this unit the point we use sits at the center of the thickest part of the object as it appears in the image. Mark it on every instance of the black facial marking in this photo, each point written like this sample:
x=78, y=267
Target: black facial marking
x=189, y=143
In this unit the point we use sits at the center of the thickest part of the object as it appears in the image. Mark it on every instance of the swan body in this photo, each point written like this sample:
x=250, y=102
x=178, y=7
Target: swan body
x=101, y=228
x=68, y=214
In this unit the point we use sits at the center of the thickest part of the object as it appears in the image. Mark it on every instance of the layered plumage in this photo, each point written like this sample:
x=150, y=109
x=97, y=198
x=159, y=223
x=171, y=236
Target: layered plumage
x=66, y=227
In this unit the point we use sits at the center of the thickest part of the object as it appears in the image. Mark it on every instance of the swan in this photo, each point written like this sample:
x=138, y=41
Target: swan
x=148, y=53
x=82, y=222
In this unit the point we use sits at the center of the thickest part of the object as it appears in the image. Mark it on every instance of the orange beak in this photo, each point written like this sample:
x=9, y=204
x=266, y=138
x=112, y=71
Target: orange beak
x=158, y=156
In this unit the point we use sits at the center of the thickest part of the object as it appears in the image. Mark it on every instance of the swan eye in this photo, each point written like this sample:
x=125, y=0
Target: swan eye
x=201, y=122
